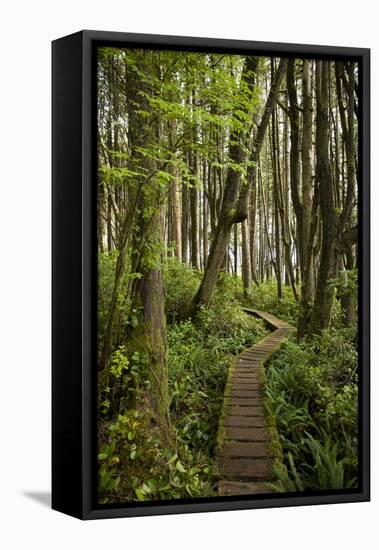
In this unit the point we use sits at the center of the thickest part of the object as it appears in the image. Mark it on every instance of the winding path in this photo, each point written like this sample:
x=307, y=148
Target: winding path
x=245, y=454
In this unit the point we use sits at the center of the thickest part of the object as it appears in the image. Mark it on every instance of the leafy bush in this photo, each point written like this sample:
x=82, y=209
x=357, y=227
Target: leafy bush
x=180, y=283
x=133, y=464
x=265, y=297
x=312, y=390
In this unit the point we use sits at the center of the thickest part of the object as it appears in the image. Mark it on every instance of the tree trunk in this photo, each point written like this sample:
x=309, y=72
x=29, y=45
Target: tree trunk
x=294, y=158
x=276, y=183
x=194, y=210
x=324, y=292
x=252, y=225
x=154, y=327
x=175, y=233
x=150, y=287
x=307, y=288
x=246, y=265
x=235, y=200
x=185, y=224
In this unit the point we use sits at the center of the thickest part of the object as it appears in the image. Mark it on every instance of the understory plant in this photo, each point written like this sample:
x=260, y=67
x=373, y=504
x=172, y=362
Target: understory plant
x=133, y=462
x=312, y=391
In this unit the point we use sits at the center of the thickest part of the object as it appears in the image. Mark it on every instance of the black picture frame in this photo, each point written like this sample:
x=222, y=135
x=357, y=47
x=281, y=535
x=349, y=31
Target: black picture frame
x=74, y=274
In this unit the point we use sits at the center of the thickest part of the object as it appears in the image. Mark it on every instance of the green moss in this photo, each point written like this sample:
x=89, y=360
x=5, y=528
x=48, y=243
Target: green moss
x=221, y=426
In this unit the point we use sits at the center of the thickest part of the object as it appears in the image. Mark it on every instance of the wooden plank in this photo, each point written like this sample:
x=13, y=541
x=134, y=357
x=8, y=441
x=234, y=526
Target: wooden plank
x=248, y=386
x=246, y=434
x=244, y=454
x=250, y=377
x=245, y=421
x=234, y=410
x=244, y=391
x=248, y=469
x=244, y=401
x=244, y=449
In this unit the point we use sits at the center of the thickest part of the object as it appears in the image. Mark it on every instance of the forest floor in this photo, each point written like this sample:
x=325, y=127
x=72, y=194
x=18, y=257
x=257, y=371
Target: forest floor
x=311, y=391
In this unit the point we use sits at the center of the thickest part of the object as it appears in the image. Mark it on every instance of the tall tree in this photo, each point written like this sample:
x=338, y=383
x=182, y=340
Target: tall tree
x=320, y=318
x=235, y=199
x=307, y=288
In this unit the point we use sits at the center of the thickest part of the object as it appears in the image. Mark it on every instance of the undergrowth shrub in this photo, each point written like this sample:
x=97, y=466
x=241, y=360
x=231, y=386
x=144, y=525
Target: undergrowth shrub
x=181, y=283
x=312, y=391
x=264, y=297
x=133, y=463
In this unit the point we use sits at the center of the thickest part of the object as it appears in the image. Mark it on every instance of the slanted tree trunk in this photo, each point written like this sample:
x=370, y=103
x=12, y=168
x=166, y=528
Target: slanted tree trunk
x=235, y=199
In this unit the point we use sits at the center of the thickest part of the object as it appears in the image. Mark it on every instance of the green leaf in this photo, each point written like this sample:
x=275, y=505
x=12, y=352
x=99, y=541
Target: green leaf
x=172, y=459
x=180, y=467
x=102, y=456
x=152, y=484
x=146, y=488
x=140, y=494
x=113, y=484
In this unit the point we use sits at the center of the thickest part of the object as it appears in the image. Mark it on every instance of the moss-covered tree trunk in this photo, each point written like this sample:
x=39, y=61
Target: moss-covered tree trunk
x=150, y=241
x=154, y=325
x=320, y=318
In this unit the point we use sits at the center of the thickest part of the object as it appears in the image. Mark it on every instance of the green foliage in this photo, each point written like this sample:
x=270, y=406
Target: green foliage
x=120, y=363
x=347, y=280
x=125, y=381
x=227, y=326
x=109, y=480
x=198, y=358
x=134, y=464
x=126, y=317
x=264, y=297
x=222, y=104
x=312, y=391
x=106, y=271
x=181, y=283
x=196, y=106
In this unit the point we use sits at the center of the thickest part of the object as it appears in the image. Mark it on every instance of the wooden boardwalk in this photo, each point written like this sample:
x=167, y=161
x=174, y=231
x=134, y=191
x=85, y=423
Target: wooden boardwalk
x=244, y=456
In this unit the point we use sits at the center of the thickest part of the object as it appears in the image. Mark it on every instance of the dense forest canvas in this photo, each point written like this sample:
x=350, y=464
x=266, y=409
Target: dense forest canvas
x=227, y=216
